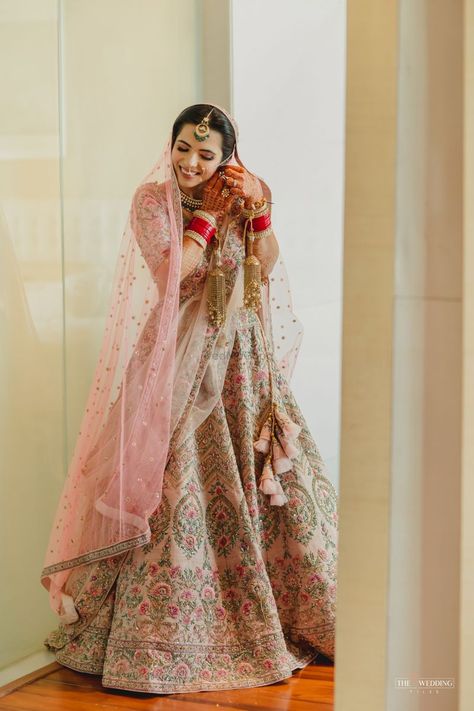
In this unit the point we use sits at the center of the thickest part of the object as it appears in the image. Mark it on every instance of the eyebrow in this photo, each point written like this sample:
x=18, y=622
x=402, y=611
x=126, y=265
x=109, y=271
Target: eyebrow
x=207, y=150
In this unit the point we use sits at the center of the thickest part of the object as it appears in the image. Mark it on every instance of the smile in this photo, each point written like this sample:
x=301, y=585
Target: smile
x=187, y=174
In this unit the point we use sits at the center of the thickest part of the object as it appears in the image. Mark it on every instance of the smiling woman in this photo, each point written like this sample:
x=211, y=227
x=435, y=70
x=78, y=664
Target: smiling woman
x=195, y=543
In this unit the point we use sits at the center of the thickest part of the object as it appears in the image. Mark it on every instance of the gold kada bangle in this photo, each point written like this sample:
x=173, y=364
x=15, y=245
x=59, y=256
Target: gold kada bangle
x=196, y=237
x=257, y=212
x=262, y=233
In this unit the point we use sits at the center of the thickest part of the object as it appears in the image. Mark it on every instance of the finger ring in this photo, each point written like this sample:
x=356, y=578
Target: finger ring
x=225, y=192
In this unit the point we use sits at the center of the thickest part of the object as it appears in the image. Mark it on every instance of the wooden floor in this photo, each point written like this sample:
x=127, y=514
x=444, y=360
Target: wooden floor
x=61, y=689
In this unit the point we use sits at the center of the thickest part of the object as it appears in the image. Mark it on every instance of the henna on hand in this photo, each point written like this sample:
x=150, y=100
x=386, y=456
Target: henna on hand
x=214, y=201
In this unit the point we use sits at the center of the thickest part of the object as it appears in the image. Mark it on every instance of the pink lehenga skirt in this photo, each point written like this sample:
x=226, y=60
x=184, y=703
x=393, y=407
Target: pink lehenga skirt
x=231, y=591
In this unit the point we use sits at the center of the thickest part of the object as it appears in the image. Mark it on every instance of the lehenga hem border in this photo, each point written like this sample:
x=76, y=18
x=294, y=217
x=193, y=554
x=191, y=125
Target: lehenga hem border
x=195, y=689
x=99, y=554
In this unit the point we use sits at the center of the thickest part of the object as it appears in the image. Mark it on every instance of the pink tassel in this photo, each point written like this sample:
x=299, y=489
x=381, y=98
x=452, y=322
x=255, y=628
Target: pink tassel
x=268, y=486
x=263, y=443
x=290, y=428
x=268, y=483
x=289, y=447
x=279, y=498
x=69, y=614
x=281, y=463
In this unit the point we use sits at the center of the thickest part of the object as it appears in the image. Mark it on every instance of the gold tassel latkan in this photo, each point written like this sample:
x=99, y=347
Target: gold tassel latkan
x=252, y=273
x=216, y=291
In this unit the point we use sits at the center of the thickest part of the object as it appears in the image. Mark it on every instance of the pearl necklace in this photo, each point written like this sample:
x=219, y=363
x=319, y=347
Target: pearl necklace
x=189, y=202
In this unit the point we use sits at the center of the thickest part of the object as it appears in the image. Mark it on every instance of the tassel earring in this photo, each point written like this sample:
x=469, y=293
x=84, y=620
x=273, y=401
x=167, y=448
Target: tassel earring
x=252, y=270
x=216, y=288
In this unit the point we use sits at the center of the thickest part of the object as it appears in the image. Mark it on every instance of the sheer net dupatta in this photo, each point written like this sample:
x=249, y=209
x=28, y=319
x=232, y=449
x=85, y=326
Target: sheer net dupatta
x=114, y=478
x=283, y=329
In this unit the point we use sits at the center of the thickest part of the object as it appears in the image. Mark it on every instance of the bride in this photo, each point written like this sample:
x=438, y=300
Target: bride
x=195, y=541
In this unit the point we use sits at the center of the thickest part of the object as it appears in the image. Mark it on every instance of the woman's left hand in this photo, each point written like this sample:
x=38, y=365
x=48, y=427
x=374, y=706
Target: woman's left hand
x=235, y=176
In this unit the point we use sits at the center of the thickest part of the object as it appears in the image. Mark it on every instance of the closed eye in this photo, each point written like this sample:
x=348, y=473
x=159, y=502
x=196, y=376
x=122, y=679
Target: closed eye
x=185, y=150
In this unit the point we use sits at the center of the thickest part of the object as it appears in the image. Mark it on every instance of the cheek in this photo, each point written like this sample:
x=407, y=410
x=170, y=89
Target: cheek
x=208, y=171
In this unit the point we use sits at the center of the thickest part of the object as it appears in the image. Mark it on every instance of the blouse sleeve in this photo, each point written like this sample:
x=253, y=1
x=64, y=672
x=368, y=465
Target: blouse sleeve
x=151, y=226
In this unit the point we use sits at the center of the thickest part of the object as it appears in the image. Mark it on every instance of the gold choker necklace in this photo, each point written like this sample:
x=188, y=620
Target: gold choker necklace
x=189, y=202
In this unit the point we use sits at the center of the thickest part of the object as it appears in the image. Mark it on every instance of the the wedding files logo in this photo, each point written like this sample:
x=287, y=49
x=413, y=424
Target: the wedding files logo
x=424, y=684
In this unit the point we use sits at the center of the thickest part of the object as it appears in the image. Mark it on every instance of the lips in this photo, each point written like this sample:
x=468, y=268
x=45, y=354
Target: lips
x=188, y=175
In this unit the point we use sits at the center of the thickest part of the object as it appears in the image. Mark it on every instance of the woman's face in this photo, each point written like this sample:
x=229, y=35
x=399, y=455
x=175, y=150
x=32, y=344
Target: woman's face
x=194, y=161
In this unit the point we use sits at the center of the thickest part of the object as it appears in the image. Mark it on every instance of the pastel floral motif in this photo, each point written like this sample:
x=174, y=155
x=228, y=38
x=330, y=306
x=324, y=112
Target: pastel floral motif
x=229, y=262
x=190, y=542
x=122, y=666
x=222, y=524
x=188, y=594
x=181, y=670
x=246, y=608
x=161, y=590
x=244, y=668
x=153, y=568
x=173, y=611
x=144, y=607
x=208, y=593
x=188, y=527
x=223, y=541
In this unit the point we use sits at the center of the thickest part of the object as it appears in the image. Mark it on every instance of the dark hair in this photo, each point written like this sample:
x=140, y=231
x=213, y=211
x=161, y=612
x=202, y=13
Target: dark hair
x=217, y=121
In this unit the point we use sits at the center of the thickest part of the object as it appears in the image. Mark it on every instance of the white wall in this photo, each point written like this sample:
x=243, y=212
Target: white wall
x=124, y=72
x=288, y=75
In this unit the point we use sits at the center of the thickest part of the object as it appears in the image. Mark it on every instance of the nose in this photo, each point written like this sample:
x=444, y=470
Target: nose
x=193, y=160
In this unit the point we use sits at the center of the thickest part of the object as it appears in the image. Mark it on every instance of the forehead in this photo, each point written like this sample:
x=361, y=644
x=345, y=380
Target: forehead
x=213, y=143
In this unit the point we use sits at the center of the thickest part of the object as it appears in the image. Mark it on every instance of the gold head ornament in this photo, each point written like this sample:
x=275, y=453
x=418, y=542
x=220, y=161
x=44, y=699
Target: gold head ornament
x=201, y=132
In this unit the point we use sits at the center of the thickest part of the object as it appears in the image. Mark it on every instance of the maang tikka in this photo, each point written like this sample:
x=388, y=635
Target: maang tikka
x=201, y=132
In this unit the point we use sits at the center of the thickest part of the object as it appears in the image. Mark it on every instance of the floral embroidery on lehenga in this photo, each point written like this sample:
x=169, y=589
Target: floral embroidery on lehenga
x=231, y=591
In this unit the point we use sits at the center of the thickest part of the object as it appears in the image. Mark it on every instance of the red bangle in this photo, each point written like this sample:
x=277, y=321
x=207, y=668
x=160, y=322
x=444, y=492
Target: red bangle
x=261, y=223
x=202, y=227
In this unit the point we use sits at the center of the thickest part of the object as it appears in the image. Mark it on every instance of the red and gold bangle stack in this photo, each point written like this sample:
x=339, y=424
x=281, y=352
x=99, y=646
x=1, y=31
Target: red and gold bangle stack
x=260, y=223
x=201, y=228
